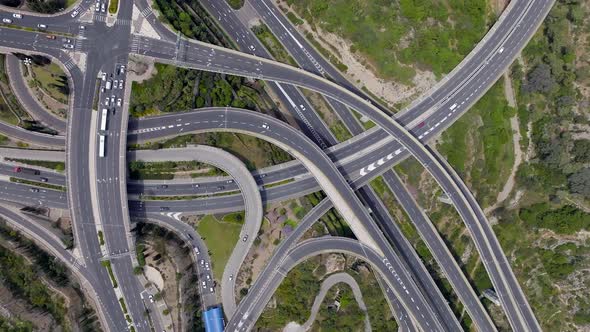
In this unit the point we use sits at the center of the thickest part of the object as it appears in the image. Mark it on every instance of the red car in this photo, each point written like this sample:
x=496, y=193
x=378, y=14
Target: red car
x=421, y=125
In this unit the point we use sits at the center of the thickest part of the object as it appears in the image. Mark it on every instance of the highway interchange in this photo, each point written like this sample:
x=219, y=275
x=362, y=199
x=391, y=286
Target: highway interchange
x=97, y=188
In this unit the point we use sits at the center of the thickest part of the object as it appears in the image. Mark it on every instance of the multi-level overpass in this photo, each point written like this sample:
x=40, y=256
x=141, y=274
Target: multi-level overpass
x=479, y=72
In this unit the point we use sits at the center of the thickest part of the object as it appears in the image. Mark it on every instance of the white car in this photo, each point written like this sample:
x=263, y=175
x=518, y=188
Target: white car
x=208, y=277
x=104, y=76
x=75, y=13
x=42, y=26
x=265, y=126
x=106, y=101
x=204, y=284
x=97, y=7
x=501, y=50
x=115, y=84
x=6, y=20
x=119, y=102
x=16, y=15
x=103, y=8
x=121, y=84
x=122, y=69
x=231, y=277
x=113, y=100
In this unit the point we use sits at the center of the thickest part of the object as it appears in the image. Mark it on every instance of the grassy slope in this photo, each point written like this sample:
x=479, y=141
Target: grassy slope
x=395, y=34
x=479, y=145
x=48, y=78
x=220, y=239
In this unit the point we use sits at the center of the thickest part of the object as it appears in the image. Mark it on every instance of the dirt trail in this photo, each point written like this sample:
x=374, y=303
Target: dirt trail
x=516, y=137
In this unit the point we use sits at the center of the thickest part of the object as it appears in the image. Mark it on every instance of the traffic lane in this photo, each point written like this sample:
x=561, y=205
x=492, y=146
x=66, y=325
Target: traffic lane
x=107, y=174
x=442, y=255
x=79, y=177
x=286, y=74
x=270, y=269
x=103, y=291
x=467, y=68
x=301, y=110
x=309, y=248
x=108, y=306
x=215, y=188
x=439, y=112
x=270, y=128
x=291, y=98
x=240, y=174
x=112, y=202
x=199, y=253
x=127, y=280
x=27, y=172
x=297, y=45
x=247, y=41
x=37, y=40
x=25, y=194
x=21, y=134
x=399, y=312
x=45, y=24
x=60, y=16
x=410, y=258
x=17, y=81
x=220, y=204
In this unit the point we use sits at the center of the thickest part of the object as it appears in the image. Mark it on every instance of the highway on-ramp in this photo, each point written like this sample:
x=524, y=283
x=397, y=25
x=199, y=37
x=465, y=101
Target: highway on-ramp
x=249, y=191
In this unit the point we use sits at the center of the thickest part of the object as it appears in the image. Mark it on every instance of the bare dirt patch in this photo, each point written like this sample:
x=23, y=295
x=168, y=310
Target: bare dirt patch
x=140, y=69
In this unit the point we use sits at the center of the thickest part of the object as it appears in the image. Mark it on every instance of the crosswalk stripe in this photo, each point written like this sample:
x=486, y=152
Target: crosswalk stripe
x=123, y=22
x=146, y=12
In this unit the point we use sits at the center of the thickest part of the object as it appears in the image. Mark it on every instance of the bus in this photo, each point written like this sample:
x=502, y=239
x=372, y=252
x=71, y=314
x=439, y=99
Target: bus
x=103, y=120
x=101, y=146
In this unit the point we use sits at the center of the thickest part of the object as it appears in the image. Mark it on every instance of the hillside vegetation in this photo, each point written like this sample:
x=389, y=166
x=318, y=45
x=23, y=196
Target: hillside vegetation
x=396, y=35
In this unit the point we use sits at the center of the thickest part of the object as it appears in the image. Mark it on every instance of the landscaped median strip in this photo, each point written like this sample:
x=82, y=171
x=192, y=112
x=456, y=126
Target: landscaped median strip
x=113, y=6
x=187, y=197
x=55, y=165
x=124, y=307
x=38, y=184
x=107, y=264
